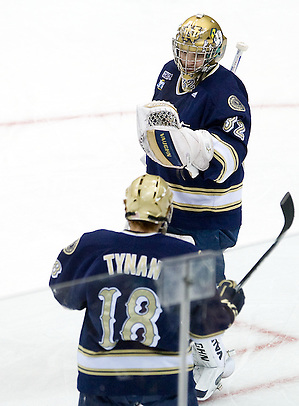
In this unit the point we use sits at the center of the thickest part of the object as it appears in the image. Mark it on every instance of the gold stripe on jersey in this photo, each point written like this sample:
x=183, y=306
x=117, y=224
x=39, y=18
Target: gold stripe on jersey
x=198, y=209
x=195, y=336
x=131, y=352
x=212, y=200
x=126, y=372
x=130, y=362
x=202, y=191
x=222, y=162
x=228, y=165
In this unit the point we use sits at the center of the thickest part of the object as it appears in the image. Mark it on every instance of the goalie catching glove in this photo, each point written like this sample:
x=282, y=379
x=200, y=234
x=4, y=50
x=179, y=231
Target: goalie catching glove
x=230, y=297
x=164, y=139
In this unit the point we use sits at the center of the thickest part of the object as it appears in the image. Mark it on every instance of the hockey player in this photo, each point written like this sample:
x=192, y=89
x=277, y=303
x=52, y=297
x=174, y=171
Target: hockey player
x=196, y=134
x=128, y=349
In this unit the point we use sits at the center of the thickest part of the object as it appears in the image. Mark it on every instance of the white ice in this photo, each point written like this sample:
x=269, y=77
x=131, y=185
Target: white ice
x=71, y=74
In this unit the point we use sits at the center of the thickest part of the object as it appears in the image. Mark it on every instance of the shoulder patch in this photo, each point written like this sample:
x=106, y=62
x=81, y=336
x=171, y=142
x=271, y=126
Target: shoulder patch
x=161, y=84
x=167, y=75
x=235, y=104
x=71, y=248
x=57, y=269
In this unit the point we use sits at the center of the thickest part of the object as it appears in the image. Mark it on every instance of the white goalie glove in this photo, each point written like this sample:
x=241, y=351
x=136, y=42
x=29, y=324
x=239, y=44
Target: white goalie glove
x=211, y=363
x=164, y=139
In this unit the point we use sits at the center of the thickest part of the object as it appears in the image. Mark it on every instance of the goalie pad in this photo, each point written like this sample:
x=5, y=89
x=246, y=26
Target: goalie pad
x=167, y=142
x=211, y=363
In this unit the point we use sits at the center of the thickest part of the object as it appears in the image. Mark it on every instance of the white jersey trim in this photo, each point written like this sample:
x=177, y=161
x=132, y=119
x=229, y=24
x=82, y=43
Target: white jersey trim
x=136, y=234
x=227, y=156
x=122, y=364
x=212, y=201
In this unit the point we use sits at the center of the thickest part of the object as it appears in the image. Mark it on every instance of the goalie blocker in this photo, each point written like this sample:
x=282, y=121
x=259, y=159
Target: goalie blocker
x=167, y=142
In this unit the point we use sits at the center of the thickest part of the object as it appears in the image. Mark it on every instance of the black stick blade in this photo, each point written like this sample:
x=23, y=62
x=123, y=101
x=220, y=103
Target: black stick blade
x=287, y=207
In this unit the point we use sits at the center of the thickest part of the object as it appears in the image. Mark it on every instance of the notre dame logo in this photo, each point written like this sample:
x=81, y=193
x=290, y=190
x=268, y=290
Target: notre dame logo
x=235, y=104
x=191, y=33
x=71, y=248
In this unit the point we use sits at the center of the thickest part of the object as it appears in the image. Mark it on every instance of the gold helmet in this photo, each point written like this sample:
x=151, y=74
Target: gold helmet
x=199, y=44
x=149, y=198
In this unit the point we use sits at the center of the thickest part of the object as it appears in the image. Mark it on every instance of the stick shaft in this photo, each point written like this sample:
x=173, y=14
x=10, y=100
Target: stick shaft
x=287, y=207
x=236, y=60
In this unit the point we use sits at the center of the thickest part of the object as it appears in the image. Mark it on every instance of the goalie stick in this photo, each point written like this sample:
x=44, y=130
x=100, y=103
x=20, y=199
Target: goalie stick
x=241, y=47
x=288, y=210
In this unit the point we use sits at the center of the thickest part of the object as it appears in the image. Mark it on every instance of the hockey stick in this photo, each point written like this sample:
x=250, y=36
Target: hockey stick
x=287, y=207
x=241, y=47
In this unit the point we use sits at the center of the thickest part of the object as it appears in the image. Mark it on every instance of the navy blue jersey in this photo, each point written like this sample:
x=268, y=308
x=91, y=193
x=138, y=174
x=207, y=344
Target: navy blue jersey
x=219, y=104
x=127, y=339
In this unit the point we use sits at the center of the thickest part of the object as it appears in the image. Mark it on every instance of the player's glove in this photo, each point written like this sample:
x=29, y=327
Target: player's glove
x=164, y=139
x=211, y=363
x=230, y=297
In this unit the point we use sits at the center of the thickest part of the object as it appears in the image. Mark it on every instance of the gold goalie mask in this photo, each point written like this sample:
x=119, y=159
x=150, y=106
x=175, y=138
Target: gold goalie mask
x=197, y=48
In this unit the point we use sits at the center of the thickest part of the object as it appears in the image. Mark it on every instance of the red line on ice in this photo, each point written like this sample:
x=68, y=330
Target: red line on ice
x=278, y=338
x=254, y=388
x=63, y=118
x=113, y=113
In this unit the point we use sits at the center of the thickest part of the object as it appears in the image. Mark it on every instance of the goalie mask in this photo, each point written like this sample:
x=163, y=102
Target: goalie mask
x=149, y=198
x=198, y=46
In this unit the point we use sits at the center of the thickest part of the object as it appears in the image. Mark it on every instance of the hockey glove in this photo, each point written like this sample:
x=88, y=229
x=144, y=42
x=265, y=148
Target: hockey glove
x=230, y=297
x=211, y=363
x=167, y=142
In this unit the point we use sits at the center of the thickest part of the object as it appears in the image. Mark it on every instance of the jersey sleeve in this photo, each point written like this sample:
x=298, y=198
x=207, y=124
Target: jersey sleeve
x=69, y=274
x=166, y=74
x=209, y=317
x=229, y=122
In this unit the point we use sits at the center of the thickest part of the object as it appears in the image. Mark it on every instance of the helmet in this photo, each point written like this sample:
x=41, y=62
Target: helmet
x=149, y=198
x=199, y=44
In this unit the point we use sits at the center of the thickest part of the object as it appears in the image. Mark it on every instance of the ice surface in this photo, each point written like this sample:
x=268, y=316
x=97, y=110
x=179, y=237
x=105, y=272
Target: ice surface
x=71, y=74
